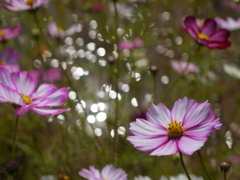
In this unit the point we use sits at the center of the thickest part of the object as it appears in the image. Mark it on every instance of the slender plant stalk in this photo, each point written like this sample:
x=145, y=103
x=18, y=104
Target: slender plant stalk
x=14, y=139
x=224, y=175
x=184, y=167
x=65, y=73
x=205, y=170
x=179, y=76
x=115, y=144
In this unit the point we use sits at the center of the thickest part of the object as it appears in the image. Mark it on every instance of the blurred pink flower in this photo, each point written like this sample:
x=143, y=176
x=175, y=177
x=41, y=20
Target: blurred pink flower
x=8, y=32
x=97, y=7
x=55, y=31
x=108, y=172
x=179, y=67
x=229, y=23
x=52, y=75
x=19, y=88
x=22, y=5
x=204, y=31
x=130, y=45
x=9, y=58
x=185, y=128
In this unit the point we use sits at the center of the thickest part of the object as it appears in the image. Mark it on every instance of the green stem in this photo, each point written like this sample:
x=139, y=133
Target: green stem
x=224, y=175
x=115, y=148
x=205, y=170
x=184, y=167
x=65, y=73
x=154, y=88
x=14, y=139
x=179, y=76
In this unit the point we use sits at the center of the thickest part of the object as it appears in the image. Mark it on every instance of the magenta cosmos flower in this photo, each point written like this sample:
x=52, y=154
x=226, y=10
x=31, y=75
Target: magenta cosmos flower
x=180, y=66
x=55, y=31
x=109, y=172
x=9, y=58
x=204, y=31
x=185, y=128
x=130, y=45
x=229, y=23
x=22, y=5
x=18, y=88
x=8, y=32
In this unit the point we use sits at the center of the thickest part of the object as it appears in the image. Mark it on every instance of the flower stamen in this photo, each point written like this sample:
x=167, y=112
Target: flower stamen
x=30, y=2
x=26, y=99
x=175, y=129
x=203, y=36
x=2, y=32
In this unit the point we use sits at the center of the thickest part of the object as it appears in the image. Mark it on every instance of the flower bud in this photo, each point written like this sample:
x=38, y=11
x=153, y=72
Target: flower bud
x=12, y=167
x=224, y=166
x=153, y=70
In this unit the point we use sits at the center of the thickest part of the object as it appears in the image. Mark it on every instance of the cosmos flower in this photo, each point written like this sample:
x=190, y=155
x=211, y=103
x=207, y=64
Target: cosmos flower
x=97, y=7
x=130, y=45
x=18, y=88
x=52, y=75
x=185, y=128
x=8, y=59
x=179, y=67
x=108, y=172
x=142, y=178
x=22, y=5
x=55, y=31
x=181, y=177
x=204, y=32
x=229, y=23
x=8, y=32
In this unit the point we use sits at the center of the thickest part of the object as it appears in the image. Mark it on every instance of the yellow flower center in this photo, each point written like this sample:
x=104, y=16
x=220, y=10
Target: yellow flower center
x=175, y=129
x=59, y=29
x=2, y=32
x=26, y=99
x=203, y=36
x=30, y=2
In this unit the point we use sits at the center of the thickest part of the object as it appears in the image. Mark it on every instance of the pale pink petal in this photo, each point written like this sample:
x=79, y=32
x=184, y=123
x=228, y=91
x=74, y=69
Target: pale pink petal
x=25, y=82
x=45, y=111
x=188, y=145
x=21, y=110
x=59, y=97
x=72, y=30
x=142, y=127
x=44, y=90
x=5, y=78
x=167, y=148
x=195, y=115
x=159, y=114
x=180, y=108
x=10, y=95
x=202, y=130
x=147, y=143
x=111, y=173
x=42, y=102
x=92, y=173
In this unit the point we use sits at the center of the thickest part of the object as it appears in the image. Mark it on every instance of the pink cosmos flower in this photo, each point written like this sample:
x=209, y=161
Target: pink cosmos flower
x=204, y=31
x=53, y=74
x=19, y=88
x=22, y=5
x=185, y=128
x=108, y=172
x=179, y=66
x=130, y=45
x=97, y=7
x=8, y=32
x=55, y=31
x=8, y=59
x=229, y=23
